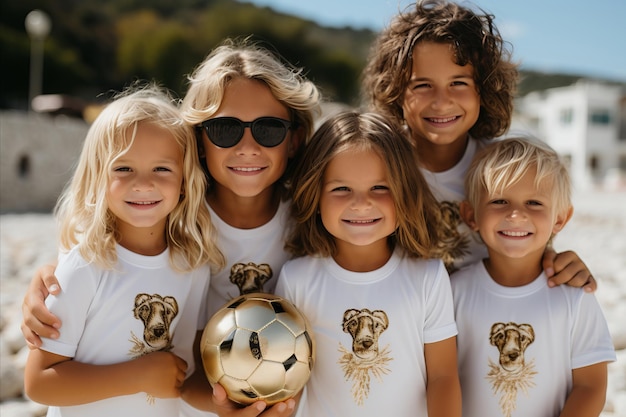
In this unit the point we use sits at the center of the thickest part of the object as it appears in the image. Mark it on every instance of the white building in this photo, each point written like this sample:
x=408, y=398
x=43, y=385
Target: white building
x=586, y=123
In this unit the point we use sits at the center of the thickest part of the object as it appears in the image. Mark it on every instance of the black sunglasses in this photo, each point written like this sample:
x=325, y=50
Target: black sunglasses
x=226, y=132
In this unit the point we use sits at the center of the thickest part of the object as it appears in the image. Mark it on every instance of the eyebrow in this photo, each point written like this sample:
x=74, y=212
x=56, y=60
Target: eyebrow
x=454, y=77
x=168, y=160
x=378, y=181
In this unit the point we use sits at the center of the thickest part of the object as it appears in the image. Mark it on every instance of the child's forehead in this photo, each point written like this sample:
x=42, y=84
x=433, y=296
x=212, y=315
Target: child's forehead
x=431, y=56
x=363, y=165
x=521, y=186
x=352, y=155
x=248, y=99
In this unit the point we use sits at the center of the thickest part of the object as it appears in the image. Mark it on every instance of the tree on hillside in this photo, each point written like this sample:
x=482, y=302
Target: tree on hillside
x=96, y=47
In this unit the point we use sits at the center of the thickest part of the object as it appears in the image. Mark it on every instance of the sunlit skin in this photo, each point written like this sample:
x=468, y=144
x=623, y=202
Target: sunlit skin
x=145, y=186
x=356, y=207
x=244, y=175
x=440, y=105
x=243, y=190
x=516, y=226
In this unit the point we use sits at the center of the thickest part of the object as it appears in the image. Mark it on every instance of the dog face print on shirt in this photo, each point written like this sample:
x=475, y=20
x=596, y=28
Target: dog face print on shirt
x=156, y=313
x=365, y=358
x=513, y=372
x=250, y=278
x=454, y=243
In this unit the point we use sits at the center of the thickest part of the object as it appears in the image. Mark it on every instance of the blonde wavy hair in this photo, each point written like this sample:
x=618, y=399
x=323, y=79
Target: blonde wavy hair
x=416, y=208
x=82, y=211
x=475, y=40
x=503, y=163
x=243, y=59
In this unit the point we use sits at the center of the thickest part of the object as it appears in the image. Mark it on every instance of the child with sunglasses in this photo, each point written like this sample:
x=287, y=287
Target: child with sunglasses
x=140, y=245
x=379, y=306
x=443, y=71
x=252, y=113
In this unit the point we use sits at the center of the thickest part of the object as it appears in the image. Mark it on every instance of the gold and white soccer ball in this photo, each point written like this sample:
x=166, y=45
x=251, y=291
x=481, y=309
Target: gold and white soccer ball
x=258, y=347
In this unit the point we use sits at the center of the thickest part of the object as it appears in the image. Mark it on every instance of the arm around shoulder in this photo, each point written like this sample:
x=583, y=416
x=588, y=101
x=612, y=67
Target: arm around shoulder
x=37, y=320
x=567, y=268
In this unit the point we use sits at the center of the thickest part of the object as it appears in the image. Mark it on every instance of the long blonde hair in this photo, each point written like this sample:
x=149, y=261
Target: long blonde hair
x=82, y=210
x=243, y=59
x=416, y=208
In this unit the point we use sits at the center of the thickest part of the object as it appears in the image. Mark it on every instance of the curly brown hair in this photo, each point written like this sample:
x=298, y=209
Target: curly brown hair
x=474, y=39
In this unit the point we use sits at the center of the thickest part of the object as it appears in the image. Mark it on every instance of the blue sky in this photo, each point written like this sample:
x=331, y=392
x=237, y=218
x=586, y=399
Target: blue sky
x=571, y=36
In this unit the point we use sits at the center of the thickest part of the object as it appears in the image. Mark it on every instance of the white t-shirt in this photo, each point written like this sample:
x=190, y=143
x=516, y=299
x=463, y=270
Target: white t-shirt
x=370, y=329
x=543, y=333
x=111, y=316
x=448, y=188
x=253, y=258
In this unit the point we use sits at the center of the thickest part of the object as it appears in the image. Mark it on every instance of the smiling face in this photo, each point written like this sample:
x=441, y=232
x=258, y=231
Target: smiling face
x=248, y=169
x=518, y=222
x=441, y=102
x=146, y=181
x=356, y=205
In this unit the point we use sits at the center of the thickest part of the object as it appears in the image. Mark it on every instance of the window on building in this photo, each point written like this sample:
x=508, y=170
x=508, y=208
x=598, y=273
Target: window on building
x=23, y=167
x=594, y=163
x=566, y=116
x=622, y=163
x=600, y=117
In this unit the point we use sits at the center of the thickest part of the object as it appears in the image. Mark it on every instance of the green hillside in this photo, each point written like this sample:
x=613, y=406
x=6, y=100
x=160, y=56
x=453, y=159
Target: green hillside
x=97, y=46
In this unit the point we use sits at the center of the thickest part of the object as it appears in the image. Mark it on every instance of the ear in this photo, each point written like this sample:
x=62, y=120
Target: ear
x=466, y=211
x=562, y=219
x=296, y=139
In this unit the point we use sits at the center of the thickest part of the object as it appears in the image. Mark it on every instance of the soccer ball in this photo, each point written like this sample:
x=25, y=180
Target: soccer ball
x=258, y=347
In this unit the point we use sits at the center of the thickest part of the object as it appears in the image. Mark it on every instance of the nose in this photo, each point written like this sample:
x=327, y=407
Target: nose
x=247, y=145
x=516, y=215
x=143, y=183
x=441, y=98
x=360, y=201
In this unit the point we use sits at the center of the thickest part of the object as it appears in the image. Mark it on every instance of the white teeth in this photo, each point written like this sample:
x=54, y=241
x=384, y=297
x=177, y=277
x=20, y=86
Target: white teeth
x=361, y=221
x=243, y=169
x=515, y=234
x=444, y=120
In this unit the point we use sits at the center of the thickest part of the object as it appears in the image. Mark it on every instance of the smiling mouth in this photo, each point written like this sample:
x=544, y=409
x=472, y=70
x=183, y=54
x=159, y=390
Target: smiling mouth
x=246, y=169
x=442, y=119
x=370, y=221
x=515, y=234
x=143, y=203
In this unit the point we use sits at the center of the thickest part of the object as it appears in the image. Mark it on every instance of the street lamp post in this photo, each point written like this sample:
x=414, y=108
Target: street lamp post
x=38, y=27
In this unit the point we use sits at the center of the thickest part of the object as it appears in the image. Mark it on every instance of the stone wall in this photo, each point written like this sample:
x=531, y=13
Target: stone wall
x=37, y=157
x=38, y=153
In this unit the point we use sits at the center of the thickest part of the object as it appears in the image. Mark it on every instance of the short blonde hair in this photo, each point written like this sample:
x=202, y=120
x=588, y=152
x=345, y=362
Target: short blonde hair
x=502, y=163
x=242, y=59
x=82, y=210
x=416, y=208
